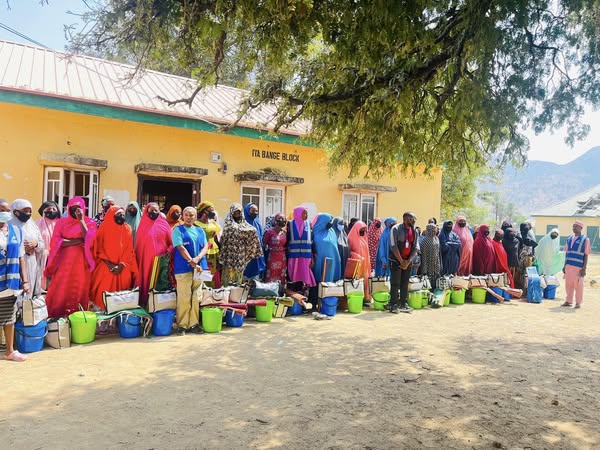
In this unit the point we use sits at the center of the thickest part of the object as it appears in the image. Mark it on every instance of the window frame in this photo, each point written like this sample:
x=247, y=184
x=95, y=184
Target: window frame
x=67, y=192
x=361, y=196
x=262, y=195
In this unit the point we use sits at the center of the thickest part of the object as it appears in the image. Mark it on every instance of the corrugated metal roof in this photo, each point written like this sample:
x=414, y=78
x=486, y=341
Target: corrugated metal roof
x=585, y=204
x=82, y=78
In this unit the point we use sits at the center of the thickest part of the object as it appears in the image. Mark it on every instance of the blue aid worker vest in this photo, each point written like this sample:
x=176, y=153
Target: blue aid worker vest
x=300, y=246
x=575, y=250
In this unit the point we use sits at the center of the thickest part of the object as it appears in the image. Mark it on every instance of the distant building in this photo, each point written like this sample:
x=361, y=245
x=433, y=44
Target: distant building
x=584, y=206
x=75, y=125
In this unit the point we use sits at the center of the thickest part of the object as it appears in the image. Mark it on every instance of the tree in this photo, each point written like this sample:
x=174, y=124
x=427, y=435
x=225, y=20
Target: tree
x=380, y=83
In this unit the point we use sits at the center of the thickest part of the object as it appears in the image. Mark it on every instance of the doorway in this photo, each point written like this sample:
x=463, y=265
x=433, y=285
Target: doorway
x=168, y=192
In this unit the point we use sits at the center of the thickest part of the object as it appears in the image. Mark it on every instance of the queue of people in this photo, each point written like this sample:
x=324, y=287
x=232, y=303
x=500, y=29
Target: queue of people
x=74, y=259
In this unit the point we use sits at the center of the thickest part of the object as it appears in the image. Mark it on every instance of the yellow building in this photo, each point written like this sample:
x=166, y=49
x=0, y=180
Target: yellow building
x=584, y=206
x=74, y=125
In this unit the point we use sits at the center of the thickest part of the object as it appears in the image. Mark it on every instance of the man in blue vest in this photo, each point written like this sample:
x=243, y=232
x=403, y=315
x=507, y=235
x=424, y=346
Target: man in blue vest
x=577, y=249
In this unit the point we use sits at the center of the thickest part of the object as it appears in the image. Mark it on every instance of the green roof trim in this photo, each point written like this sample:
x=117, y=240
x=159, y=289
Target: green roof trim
x=112, y=112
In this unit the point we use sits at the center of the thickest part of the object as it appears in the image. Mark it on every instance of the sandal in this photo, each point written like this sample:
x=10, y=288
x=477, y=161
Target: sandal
x=567, y=304
x=16, y=356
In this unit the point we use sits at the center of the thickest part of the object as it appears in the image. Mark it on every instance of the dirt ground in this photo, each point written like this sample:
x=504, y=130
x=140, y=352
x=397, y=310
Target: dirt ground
x=473, y=376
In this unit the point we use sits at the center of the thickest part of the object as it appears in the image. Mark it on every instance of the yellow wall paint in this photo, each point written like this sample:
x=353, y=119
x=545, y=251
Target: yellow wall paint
x=26, y=132
x=565, y=224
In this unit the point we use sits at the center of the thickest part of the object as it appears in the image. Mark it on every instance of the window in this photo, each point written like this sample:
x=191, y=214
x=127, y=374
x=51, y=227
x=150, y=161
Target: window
x=269, y=199
x=62, y=184
x=550, y=227
x=359, y=205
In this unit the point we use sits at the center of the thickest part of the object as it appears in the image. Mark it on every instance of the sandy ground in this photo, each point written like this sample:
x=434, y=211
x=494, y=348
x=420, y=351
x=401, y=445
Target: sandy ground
x=473, y=376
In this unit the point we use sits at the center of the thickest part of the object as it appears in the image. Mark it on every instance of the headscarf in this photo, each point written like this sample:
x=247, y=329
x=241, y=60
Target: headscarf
x=511, y=245
x=327, y=258
x=20, y=203
x=204, y=205
x=45, y=205
x=298, y=221
x=69, y=227
x=172, y=222
x=350, y=224
x=153, y=231
x=114, y=242
x=360, y=246
x=30, y=232
x=466, y=241
x=431, y=264
x=257, y=265
x=373, y=236
x=450, y=248
x=342, y=243
x=106, y=200
x=239, y=243
x=505, y=225
x=549, y=257
x=133, y=221
x=382, y=265
x=484, y=255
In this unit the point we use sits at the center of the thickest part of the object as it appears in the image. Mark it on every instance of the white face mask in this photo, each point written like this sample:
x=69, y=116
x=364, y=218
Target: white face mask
x=340, y=227
x=5, y=217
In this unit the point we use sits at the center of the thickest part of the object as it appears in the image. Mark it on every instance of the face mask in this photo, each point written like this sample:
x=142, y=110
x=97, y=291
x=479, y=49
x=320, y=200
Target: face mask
x=23, y=217
x=72, y=213
x=153, y=215
x=341, y=227
x=175, y=216
x=329, y=225
x=120, y=219
x=5, y=216
x=253, y=216
x=462, y=225
x=132, y=212
x=486, y=233
x=553, y=237
x=281, y=222
x=212, y=214
x=51, y=214
x=362, y=232
x=448, y=228
x=377, y=225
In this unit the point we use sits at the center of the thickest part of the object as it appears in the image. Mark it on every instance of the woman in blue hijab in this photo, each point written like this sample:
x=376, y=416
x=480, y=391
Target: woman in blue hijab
x=339, y=226
x=382, y=265
x=257, y=266
x=327, y=258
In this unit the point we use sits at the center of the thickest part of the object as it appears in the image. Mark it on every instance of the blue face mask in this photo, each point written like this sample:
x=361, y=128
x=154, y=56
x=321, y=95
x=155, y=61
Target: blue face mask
x=340, y=227
x=5, y=217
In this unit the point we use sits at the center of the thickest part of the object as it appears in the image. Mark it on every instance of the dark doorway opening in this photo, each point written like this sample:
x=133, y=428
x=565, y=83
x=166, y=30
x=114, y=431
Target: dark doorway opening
x=168, y=192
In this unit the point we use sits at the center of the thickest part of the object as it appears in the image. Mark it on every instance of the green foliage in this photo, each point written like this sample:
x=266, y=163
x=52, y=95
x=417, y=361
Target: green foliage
x=380, y=83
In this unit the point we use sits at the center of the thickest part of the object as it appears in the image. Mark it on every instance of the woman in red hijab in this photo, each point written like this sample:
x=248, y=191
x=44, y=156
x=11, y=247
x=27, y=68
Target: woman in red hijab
x=359, y=248
x=373, y=236
x=501, y=256
x=116, y=268
x=153, y=238
x=484, y=255
x=70, y=263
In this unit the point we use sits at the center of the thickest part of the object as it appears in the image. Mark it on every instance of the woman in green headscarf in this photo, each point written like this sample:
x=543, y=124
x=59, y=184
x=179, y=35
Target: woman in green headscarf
x=207, y=221
x=133, y=217
x=548, y=255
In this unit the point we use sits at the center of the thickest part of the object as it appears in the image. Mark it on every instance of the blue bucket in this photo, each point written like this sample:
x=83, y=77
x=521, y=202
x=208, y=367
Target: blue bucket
x=550, y=292
x=507, y=296
x=130, y=326
x=233, y=320
x=329, y=305
x=162, y=322
x=30, y=339
x=490, y=298
x=295, y=309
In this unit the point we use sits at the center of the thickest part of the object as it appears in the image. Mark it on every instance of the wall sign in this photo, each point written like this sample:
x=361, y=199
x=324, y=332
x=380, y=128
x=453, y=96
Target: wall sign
x=278, y=156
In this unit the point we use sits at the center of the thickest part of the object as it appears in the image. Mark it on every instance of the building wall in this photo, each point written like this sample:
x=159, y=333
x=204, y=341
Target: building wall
x=27, y=132
x=565, y=225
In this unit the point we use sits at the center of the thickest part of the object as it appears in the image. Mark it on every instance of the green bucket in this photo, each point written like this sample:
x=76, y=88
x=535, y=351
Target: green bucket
x=415, y=299
x=380, y=300
x=212, y=319
x=424, y=298
x=478, y=295
x=83, y=327
x=458, y=297
x=355, y=302
x=265, y=313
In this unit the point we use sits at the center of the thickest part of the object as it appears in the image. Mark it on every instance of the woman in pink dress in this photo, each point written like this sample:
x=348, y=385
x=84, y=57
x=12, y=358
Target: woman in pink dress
x=299, y=252
x=153, y=238
x=50, y=217
x=275, y=241
x=70, y=263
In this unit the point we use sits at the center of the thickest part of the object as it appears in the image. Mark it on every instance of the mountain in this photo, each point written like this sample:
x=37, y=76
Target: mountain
x=541, y=184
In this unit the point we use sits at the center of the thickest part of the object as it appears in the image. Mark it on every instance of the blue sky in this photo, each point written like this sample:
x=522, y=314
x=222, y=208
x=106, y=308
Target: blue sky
x=45, y=24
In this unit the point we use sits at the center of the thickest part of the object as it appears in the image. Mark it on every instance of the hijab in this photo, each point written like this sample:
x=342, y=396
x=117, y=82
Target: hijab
x=299, y=223
x=133, y=221
x=548, y=254
x=174, y=222
x=383, y=249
